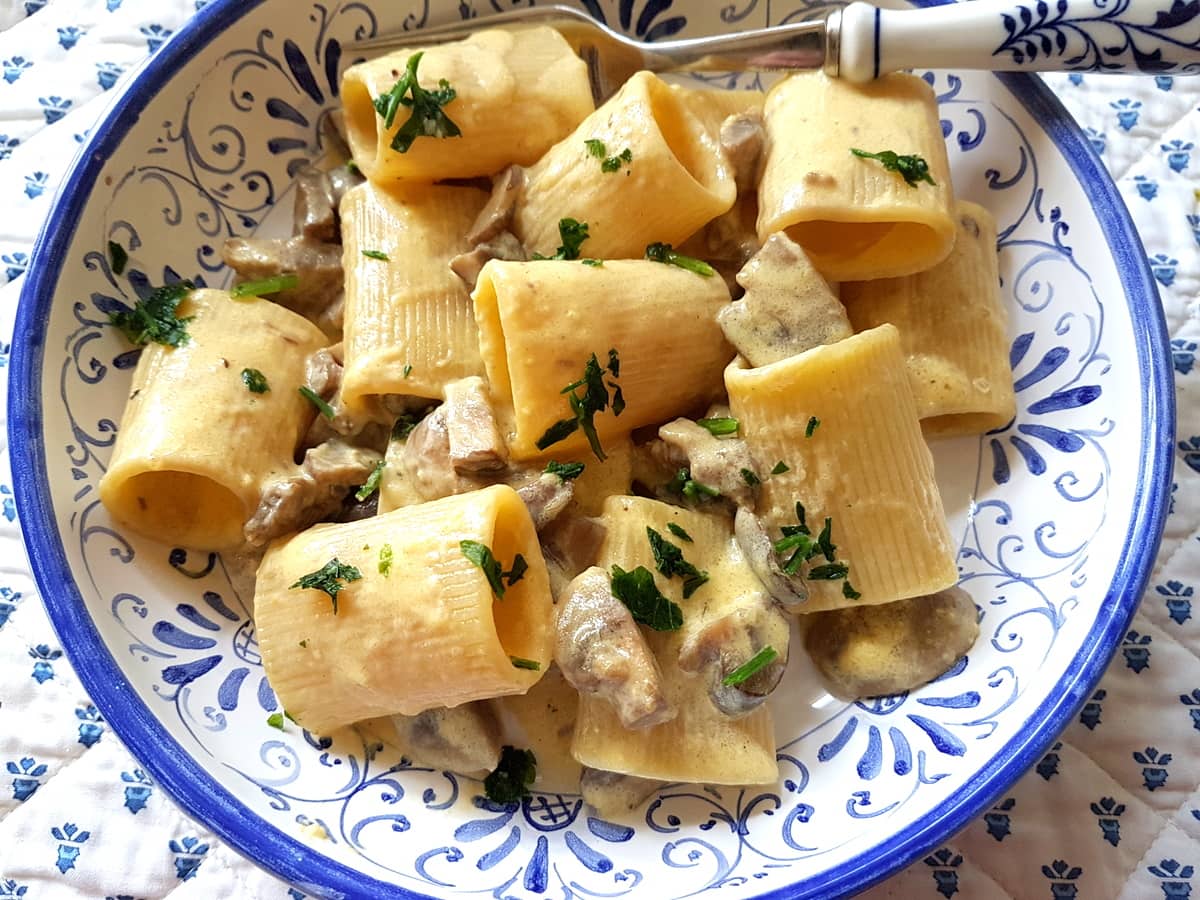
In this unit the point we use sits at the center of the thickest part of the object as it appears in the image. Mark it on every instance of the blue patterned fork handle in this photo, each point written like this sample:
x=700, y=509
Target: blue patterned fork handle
x=1125, y=36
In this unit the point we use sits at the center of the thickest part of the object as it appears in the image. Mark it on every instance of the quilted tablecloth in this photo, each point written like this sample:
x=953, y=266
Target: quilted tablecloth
x=1111, y=810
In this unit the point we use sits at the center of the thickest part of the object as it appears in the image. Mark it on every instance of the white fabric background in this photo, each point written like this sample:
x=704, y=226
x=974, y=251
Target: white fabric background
x=1113, y=810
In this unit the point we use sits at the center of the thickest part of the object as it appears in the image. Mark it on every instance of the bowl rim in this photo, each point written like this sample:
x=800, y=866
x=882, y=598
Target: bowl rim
x=205, y=799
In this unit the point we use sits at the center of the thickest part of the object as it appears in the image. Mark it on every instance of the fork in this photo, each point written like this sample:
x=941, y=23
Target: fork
x=860, y=42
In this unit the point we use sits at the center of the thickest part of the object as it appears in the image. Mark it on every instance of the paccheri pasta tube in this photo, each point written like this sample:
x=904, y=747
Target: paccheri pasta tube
x=700, y=743
x=856, y=219
x=196, y=442
x=516, y=93
x=409, y=325
x=642, y=169
x=540, y=322
x=843, y=419
x=953, y=330
x=421, y=627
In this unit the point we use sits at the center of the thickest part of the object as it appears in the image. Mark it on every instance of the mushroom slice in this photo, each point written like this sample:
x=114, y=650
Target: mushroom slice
x=546, y=496
x=475, y=441
x=612, y=794
x=868, y=651
x=716, y=462
x=601, y=651
x=570, y=544
x=463, y=739
x=743, y=136
x=759, y=550
x=497, y=214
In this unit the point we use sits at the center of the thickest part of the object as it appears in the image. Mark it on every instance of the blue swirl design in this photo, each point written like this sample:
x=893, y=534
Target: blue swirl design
x=1106, y=40
x=215, y=170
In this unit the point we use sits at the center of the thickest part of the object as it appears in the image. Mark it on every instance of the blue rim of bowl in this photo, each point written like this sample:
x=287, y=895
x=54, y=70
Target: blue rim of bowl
x=209, y=802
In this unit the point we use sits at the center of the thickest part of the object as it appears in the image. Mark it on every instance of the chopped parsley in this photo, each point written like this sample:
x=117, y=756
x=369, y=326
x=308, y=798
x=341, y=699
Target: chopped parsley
x=404, y=425
x=153, y=319
x=678, y=531
x=780, y=468
x=566, y=471
x=596, y=148
x=481, y=555
x=720, y=426
x=510, y=780
x=117, y=257
x=594, y=263
x=406, y=371
x=644, y=600
x=750, y=478
x=376, y=254
x=572, y=233
x=329, y=578
x=798, y=543
x=371, y=485
x=255, y=381
x=315, y=399
x=258, y=287
x=693, y=490
x=912, y=169
x=304, y=644
x=849, y=592
x=275, y=720
x=608, y=163
x=427, y=118
x=669, y=560
x=751, y=667
x=595, y=399
x=352, y=167
x=521, y=663
x=813, y=424
x=828, y=572
x=385, y=560
x=665, y=253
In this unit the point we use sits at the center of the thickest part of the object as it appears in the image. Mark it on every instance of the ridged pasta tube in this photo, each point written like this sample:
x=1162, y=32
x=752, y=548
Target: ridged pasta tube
x=517, y=93
x=854, y=218
x=409, y=326
x=428, y=631
x=700, y=743
x=675, y=180
x=539, y=322
x=195, y=444
x=953, y=330
x=843, y=419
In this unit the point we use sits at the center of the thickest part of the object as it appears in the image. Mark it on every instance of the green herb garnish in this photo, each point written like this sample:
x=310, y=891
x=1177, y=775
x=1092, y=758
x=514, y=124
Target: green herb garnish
x=720, y=426
x=644, y=600
x=669, y=560
x=406, y=371
x=510, y=780
x=828, y=572
x=385, y=560
x=275, y=720
x=154, y=319
x=664, y=253
x=750, y=478
x=751, y=667
x=693, y=490
x=813, y=424
x=329, y=579
x=566, y=471
x=521, y=663
x=352, y=167
x=596, y=148
x=404, y=425
x=912, y=169
x=315, y=399
x=678, y=531
x=595, y=399
x=849, y=592
x=427, y=118
x=117, y=257
x=255, y=381
x=780, y=468
x=272, y=285
x=594, y=263
x=481, y=555
x=371, y=485
x=376, y=254
x=304, y=644
x=572, y=233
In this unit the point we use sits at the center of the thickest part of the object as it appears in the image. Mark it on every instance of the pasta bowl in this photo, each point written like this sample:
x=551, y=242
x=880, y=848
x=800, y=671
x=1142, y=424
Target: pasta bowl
x=1057, y=514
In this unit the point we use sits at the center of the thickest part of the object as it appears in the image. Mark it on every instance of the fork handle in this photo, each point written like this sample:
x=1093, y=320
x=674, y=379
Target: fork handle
x=1147, y=36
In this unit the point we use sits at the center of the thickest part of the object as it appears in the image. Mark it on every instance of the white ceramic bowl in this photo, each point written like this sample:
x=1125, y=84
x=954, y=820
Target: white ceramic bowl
x=1058, y=513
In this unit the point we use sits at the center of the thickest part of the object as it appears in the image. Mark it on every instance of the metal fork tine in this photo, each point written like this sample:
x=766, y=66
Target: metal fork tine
x=442, y=34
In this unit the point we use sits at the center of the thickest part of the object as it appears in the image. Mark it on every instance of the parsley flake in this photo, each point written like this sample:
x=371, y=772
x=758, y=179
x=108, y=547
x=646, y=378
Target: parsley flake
x=376, y=254
x=751, y=667
x=406, y=371
x=750, y=478
x=255, y=381
x=566, y=471
x=385, y=560
x=813, y=424
x=427, y=118
x=510, y=780
x=594, y=263
x=275, y=720
x=678, y=531
x=481, y=556
x=329, y=578
x=595, y=399
x=272, y=285
x=404, y=425
x=780, y=468
x=153, y=319
x=596, y=148
x=912, y=169
x=644, y=600
x=520, y=662
x=117, y=257
x=719, y=426
x=849, y=592
x=371, y=485
x=669, y=560
x=693, y=490
x=315, y=399
x=665, y=253
x=572, y=233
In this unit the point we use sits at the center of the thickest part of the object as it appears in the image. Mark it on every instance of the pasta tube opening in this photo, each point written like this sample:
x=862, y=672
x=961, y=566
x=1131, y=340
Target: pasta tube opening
x=193, y=510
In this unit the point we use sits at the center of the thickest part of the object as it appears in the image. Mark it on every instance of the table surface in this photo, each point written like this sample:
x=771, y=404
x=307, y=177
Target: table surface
x=1112, y=810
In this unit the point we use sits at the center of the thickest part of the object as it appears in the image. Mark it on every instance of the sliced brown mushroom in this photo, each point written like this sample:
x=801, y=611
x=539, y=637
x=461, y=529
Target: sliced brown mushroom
x=743, y=136
x=570, y=544
x=601, y=651
x=545, y=496
x=612, y=794
x=759, y=550
x=497, y=214
x=475, y=442
x=867, y=651
x=718, y=462
x=466, y=738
